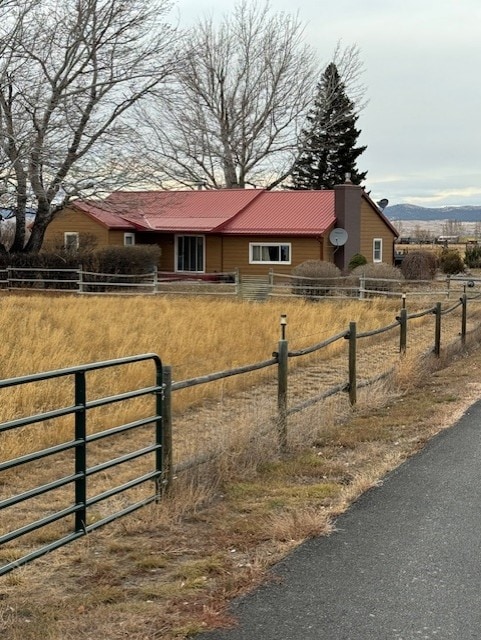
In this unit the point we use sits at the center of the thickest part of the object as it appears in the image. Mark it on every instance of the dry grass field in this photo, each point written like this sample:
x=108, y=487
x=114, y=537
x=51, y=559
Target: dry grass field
x=169, y=570
x=195, y=336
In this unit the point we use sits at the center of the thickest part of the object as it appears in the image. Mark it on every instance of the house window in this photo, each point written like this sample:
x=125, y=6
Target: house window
x=189, y=253
x=269, y=253
x=71, y=240
x=129, y=239
x=377, y=250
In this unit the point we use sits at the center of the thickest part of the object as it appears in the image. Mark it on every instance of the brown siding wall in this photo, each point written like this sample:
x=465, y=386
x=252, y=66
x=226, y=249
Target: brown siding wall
x=236, y=253
x=223, y=253
x=227, y=253
x=372, y=226
x=75, y=222
x=166, y=243
x=116, y=237
x=214, y=253
x=328, y=251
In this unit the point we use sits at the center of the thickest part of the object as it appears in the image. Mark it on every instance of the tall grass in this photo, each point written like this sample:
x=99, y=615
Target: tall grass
x=195, y=336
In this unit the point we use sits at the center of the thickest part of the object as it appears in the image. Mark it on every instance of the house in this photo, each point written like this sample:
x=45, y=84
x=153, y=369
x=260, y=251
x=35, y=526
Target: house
x=253, y=230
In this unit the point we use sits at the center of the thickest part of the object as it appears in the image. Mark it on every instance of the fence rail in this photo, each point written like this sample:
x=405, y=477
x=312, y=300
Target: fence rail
x=350, y=385
x=77, y=448
x=274, y=285
x=81, y=281
x=161, y=420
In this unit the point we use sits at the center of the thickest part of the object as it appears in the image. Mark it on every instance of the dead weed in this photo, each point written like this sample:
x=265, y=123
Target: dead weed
x=170, y=570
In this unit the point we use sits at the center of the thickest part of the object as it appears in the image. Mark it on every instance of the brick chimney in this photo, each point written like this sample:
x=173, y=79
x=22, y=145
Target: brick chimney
x=348, y=217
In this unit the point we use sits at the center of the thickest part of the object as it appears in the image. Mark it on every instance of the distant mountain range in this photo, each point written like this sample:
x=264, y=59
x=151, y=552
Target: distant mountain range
x=471, y=213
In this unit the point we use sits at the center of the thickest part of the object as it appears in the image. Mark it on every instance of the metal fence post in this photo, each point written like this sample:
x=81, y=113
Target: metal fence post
x=155, y=280
x=167, y=449
x=80, y=451
x=464, y=317
x=437, y=330
x=282, y=373
x=352, y=363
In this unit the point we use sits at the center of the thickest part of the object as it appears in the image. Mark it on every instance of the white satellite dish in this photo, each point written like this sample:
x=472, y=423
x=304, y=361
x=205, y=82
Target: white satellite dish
x=338, y=237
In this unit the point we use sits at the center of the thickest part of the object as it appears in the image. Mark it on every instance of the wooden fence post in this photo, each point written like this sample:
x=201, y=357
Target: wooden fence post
x=282, y=373
x=80, y=279
x=362, y=286
x=167, y=450
x=464, y=316
x=437, y=330
x=352, y=363
x=403, y=325
x=155, y=280
x=237, y=283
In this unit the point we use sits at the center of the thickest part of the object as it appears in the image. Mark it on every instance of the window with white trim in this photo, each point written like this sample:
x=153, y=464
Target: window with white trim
x=377, y=250
x=129, y=239
x=71, y=240
x=190, y=253
x=269, y=253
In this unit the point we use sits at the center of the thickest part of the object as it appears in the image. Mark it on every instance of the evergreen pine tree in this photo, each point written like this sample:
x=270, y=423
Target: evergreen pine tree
x=328, y=140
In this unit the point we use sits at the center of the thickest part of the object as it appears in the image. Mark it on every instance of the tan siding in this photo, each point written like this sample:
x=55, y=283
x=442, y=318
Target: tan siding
x=236, y=253
x=71, y=220
x=213, y=253
x=166, y=243
x=116, y=237
x=214, y=250
x=227, y=253
x=372, y=226
x=223, y=253
x=328, y=251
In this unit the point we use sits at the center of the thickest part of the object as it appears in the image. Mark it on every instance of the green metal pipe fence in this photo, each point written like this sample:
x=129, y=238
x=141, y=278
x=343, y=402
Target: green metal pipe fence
x=78, y=448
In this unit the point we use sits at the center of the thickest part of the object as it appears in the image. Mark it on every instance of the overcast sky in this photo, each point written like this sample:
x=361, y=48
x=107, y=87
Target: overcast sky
x=422, y=61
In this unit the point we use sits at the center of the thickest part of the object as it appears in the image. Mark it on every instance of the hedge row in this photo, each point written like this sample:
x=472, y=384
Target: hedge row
x=122, y=262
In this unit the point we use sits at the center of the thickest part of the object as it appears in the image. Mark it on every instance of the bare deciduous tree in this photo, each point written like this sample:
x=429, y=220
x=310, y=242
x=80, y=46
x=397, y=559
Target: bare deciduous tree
x=236, y=106
x=350, y=66
x=68, y=78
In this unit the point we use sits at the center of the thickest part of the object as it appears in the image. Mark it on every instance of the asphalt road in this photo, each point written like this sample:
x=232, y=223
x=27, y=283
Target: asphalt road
x=403, y=564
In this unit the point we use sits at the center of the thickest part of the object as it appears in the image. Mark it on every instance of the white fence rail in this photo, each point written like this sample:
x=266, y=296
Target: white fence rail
x=92, y=282
x=230, y=284
x=362, y=287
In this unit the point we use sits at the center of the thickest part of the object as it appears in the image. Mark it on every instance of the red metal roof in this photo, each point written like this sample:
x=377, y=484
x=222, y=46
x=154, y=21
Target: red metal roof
x=303, y=212
x=229, y=211
x=103, y=214
x=194, y=211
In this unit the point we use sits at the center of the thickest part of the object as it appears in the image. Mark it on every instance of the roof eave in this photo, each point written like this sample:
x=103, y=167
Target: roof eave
x=127, y=226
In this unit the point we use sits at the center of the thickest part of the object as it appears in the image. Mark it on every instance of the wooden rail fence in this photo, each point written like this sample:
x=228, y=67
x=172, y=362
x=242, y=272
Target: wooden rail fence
x=271, y=285
x=280, y=359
